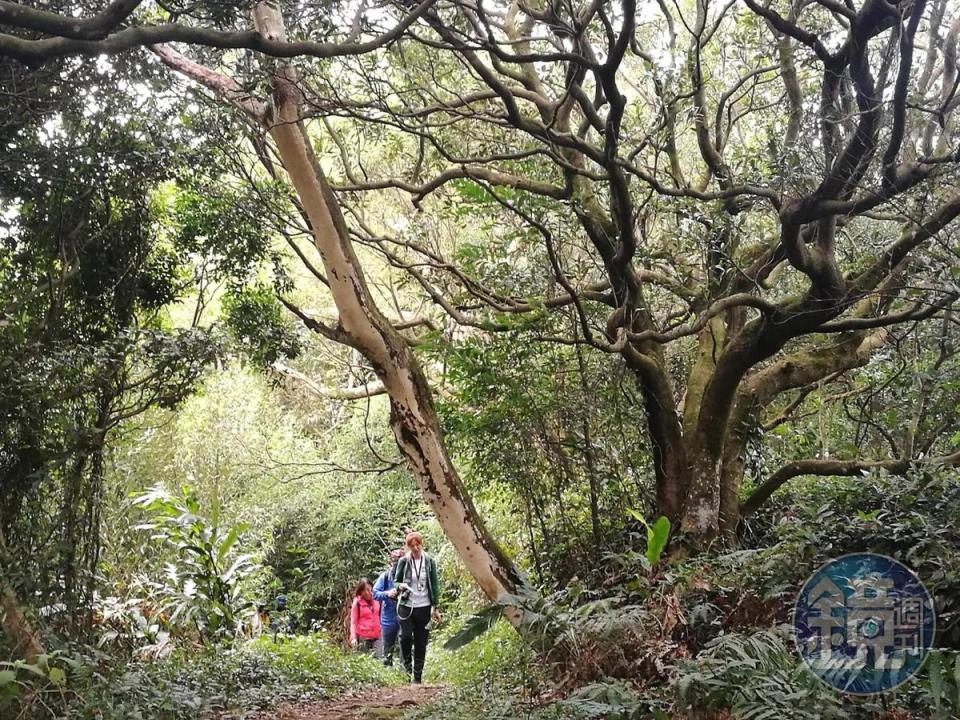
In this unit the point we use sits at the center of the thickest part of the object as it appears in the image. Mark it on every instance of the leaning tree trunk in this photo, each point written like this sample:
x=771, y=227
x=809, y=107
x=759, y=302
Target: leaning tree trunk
x=17, y=628
x=413, y=417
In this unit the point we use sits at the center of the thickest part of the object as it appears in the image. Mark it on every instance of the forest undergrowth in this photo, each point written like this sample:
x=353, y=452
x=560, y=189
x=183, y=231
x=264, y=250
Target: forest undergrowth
x=639, y=313
x=696, y=638
x=638, y=632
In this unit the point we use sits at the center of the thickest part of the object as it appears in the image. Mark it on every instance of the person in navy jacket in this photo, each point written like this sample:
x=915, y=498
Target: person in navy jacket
x=385, y=590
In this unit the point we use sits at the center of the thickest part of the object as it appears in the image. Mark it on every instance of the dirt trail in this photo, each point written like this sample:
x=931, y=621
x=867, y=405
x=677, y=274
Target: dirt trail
x=375, y=704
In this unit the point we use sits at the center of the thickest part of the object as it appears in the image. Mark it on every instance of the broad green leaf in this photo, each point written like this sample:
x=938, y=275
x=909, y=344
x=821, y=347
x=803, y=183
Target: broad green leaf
x=227, y=543
x=33, y=669
x=469, y=190
x=657, y=539
x=475, y=626
x=935, y=671
x=240, y=563
x=956, y=680
x=638, y=516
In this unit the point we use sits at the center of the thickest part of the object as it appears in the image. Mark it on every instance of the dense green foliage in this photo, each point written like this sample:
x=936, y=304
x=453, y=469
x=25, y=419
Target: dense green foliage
x=191, y=684
x=85, y=272
x=205, y=579
x=686, y=331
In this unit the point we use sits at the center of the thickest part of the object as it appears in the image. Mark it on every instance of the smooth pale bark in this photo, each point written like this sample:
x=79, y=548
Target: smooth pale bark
x=358, y=392
x=413, y=418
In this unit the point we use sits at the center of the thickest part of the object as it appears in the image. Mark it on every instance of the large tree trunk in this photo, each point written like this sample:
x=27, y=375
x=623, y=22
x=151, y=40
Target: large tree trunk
x=12, y=620
x=17, y=628
x=758, y=390
x=363, y=326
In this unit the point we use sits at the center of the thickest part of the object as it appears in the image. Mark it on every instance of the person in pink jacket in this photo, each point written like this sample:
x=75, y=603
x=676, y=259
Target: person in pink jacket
x=364, y=618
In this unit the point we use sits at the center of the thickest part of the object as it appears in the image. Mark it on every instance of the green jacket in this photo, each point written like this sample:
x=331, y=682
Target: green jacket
x=400, y=575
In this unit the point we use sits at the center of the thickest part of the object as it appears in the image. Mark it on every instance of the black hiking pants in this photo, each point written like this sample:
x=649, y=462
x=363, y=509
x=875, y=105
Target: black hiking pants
x=413, y=640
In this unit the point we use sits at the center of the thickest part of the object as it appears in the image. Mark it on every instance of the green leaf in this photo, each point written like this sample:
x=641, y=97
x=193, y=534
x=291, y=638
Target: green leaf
x=7, y=677
x=636, y=515
x=228, y=542
x=469, y=190
x=936, y=679
x=34, y=669
x=240, y=563
x=956, y=680
x=475, y=626
x=57, y=676
x=657, y=539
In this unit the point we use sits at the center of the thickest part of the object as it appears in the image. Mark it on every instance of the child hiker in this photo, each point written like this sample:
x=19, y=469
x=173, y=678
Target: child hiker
x=364, y=618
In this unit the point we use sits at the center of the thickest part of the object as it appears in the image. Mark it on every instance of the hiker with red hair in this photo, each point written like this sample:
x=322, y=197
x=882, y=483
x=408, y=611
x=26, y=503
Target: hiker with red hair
x=419, y=596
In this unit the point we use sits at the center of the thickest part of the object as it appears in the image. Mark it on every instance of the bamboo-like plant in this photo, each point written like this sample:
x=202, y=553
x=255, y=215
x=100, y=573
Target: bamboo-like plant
x=205, y=579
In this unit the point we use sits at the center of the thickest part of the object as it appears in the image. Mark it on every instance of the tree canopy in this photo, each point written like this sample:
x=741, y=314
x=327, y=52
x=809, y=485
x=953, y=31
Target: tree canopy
x=590, y=262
